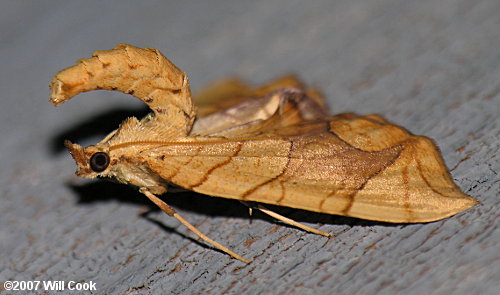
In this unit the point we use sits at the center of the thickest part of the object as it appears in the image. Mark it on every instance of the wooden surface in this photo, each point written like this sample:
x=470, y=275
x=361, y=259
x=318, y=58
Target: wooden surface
x=431, y=66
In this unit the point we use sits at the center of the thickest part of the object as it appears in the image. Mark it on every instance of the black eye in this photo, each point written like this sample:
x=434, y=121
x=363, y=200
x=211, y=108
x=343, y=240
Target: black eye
x=99, y=161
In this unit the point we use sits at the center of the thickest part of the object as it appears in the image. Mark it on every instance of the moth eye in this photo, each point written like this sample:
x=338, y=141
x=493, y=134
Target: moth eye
x=99, y=161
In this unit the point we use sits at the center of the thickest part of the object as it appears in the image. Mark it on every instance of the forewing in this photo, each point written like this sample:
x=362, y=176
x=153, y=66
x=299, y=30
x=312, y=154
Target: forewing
x=417, y=187
x=316, y=171
x=360, y=166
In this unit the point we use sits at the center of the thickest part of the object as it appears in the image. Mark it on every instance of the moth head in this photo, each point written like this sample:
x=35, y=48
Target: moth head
x=92, y=161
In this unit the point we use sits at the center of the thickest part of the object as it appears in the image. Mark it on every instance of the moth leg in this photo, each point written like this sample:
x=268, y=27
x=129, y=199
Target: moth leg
x=287, y=220
x=170, y=211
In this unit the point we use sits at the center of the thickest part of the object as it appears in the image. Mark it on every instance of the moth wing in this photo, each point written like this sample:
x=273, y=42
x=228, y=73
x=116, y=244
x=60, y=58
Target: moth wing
x=230, y=92
x=284, y=105
x=417, y=187
x=301, y=171
x=359, y=166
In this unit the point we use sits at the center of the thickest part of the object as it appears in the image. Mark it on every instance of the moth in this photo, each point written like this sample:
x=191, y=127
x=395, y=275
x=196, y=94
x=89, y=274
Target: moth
x=275, y=144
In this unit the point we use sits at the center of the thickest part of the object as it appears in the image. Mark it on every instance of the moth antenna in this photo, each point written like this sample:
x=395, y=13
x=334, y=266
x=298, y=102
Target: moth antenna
x=142, y=73
x=184, y=143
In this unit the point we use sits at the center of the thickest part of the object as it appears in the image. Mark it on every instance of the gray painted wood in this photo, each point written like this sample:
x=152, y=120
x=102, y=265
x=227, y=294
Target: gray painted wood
x=431, y=66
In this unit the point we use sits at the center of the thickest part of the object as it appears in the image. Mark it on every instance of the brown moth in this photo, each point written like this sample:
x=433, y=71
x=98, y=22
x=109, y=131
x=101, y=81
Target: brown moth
x=276, y=145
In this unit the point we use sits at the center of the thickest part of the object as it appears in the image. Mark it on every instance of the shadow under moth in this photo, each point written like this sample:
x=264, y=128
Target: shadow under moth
x=275, y=144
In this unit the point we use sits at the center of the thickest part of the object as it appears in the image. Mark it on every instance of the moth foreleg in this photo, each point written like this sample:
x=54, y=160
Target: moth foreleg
x=286, y=219
x=170, y=211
